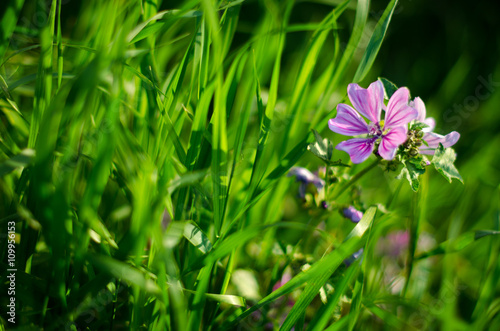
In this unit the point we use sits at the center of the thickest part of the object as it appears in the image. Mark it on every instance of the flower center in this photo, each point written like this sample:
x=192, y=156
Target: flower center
x=375, y=130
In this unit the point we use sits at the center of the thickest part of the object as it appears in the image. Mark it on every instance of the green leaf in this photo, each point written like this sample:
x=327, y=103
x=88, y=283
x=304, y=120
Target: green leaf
x=322, y=148
x=20, y=160
x=232, y=300
x=375, y=42
x=197, y=238
x=188, y=179
x=122, y=270
x=246, y=283
x=443, y=162
x=451, y=246
x=411, y=172
x=389, y=87
x=389, y=318
x=418, y=126
x=8, y=23
x=158, y=22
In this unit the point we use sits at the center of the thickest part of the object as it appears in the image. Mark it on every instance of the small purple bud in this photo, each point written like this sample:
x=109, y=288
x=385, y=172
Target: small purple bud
x=305, y=177
x=324, y=204
x=353, y=257
x=352, y=214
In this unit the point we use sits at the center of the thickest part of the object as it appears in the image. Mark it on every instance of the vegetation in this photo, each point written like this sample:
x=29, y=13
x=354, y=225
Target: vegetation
x=144, y=154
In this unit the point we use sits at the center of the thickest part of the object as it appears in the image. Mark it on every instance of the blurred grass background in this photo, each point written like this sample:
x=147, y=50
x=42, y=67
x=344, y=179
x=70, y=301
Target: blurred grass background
x=140, y=128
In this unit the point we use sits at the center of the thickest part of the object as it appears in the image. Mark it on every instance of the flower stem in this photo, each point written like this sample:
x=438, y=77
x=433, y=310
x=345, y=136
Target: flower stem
x=356, y=178
x=417, y=213
x=413, y=222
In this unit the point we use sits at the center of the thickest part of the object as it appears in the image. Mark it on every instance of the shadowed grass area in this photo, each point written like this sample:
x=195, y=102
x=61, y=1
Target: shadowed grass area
x=144, y=153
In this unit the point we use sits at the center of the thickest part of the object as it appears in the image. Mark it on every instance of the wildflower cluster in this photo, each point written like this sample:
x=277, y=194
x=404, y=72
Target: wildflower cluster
x=404, y=136
x=382, y=120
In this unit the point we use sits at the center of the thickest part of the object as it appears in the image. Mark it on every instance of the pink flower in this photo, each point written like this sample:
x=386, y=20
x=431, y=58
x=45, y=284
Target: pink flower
x=432, y=139
x=392, y=131
x=394, y=244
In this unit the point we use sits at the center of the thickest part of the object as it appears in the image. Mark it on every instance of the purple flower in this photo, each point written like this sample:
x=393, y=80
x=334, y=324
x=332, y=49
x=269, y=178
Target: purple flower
x=305, y=177
x=392, y=131
x=352, y=214
x=432, y=139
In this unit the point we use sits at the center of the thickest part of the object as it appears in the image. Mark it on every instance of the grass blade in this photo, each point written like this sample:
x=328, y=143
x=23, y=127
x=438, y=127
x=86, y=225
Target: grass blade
x=375, y=43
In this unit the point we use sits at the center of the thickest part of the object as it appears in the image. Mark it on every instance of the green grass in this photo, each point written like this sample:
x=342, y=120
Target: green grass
x=144, y=149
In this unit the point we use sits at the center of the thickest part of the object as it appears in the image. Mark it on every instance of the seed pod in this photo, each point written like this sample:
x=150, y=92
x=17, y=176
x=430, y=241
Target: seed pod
x=420, y=134
x=413, y=152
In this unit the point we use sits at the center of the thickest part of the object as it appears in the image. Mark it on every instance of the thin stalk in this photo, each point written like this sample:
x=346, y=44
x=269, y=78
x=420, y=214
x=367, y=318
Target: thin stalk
x=356, y=178
x=327, y=168
x=413, y=222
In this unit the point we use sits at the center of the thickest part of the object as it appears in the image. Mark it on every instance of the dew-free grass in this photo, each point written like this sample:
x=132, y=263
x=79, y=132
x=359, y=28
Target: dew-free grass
x=144, y=154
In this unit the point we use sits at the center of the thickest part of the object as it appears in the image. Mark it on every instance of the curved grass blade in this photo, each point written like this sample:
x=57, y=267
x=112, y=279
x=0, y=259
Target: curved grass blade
x=458, y=244
x=315, y=274
x=362, y=10
x=8, y=23
x=321, y=319
x=197, y=238
x=375, y=43
x=121, y=270
x=20, y=160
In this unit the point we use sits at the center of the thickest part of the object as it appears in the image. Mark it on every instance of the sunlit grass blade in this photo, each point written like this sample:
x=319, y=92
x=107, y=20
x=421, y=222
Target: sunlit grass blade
x=375, y=42
x=304, y=76
x=358, y=29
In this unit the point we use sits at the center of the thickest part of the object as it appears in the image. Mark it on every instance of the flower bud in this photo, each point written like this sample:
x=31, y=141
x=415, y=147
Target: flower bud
x=352, y=214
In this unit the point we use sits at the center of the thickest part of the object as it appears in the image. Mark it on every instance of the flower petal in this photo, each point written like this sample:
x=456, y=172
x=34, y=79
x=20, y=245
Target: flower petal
x=391, y=141
x=434, y=139
x=398, y=112
x=305, y=177
x=302, y=174
x=419, y=106
x=431, y=122
x=319, y=183
x=348, y=122
x=359, y=149
x=368, y=102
